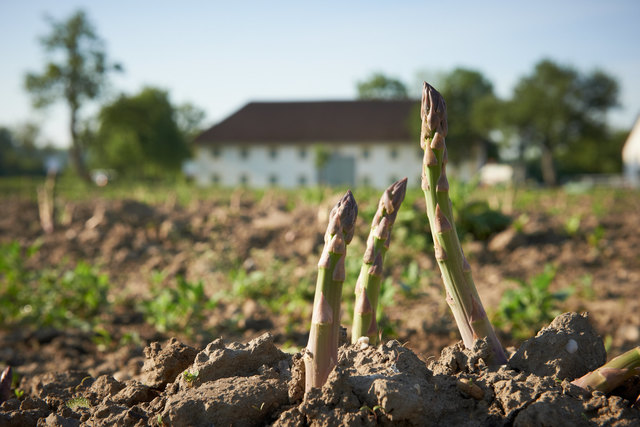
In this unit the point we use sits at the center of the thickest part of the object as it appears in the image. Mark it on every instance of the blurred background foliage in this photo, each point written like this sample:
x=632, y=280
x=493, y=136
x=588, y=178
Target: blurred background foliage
x=554, y=123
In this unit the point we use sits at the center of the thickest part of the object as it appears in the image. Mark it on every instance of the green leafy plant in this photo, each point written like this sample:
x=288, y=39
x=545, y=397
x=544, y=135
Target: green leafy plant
x=479, y=220
x=278, y=288
x=572, y=224
x=594, y=238
x=181, y=307
x=47, y=297
x=78, y=402
x=523, y=310
x=189, y=376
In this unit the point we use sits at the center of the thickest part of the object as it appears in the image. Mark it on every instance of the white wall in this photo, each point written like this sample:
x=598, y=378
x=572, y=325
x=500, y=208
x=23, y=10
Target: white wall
x=288, y=167
x=377, y=164
x=631, y=156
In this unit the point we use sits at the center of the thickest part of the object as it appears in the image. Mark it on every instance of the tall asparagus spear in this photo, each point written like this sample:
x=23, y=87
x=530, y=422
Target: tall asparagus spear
x=613, y=373
x=322, y=350
x=368, y=284
x=5, y=384
x=462, y=295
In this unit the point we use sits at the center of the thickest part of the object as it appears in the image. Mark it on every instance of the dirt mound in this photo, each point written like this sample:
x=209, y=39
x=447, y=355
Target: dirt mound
x=257, y=384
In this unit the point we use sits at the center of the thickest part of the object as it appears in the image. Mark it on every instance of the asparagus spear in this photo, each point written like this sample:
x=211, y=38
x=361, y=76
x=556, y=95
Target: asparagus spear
x=462, y=295
x=322, y=350
x=368, y=284
x=612, y=374
x=5, y=384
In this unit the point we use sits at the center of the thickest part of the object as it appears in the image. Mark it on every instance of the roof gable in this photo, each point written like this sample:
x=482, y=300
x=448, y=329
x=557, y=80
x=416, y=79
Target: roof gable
x=324, y=121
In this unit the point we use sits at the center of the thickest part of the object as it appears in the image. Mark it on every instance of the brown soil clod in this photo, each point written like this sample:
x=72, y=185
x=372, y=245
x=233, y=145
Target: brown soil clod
x=568, y=348
x=257, y=384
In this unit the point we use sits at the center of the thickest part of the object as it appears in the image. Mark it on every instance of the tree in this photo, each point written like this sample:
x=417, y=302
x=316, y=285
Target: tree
x=379, y=86
x=79, y=76
x=472, y=110
x=556, y=108
x=21, y=151
x=139, y=135
x=189, y=119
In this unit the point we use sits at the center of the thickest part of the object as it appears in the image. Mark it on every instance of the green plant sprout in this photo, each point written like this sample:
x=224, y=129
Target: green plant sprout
x=189, y=376
x=6, y=378
x=368, y=284
x=462, y=296
x=322, y=350
x=373, y=411
x=613, y=373
x=78, y=402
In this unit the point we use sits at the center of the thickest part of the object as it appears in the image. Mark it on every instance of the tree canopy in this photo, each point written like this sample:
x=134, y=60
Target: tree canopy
x=558, y=110
x=139, y=135
x=189, y=119
x=79, y=75
x=380, y=86
x=472, y=109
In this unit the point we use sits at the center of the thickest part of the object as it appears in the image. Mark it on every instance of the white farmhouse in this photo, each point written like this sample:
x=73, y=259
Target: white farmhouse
x=631, y=156
x=291, y=144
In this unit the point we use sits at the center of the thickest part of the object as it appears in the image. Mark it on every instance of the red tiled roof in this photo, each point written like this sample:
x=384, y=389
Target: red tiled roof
x=309, y=122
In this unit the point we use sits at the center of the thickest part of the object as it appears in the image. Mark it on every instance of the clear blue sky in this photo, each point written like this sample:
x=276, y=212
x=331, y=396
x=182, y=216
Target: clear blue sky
x=220, y=55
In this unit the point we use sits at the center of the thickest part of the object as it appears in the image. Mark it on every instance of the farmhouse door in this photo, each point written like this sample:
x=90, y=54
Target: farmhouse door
x=339, y=170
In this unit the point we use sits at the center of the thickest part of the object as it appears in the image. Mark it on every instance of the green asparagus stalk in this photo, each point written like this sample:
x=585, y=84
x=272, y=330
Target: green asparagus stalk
x=613, y=373
x=368, y=284
x=5, y=384
x=462, y=295
x=322, y=350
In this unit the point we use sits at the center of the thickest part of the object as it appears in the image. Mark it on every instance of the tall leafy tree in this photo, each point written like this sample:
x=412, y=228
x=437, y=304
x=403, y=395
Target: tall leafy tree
x=139, y=135
x=556, y=108
x=380, y=86
x=76, y=72
x=189, y=119
x=472, y=110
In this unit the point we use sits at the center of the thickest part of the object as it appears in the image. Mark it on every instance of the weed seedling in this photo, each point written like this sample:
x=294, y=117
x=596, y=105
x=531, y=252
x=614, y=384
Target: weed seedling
x=524, y=309
x=78, y=402
x=191, y=376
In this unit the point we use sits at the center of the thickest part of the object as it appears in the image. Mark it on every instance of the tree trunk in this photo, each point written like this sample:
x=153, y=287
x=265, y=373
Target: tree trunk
x=547, y=167
x=76, y=151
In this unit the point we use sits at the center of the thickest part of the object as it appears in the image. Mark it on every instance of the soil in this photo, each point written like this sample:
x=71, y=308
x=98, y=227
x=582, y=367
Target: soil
x=257, y=384
x=415, y=379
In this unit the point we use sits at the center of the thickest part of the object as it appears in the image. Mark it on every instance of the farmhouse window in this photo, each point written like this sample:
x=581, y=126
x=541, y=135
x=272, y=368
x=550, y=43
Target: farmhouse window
x=273, y=179
x=365, y=153
x=302, y=180
x=393, y=153
x=215, y=152
x=303, y=153
x=244, y=179
x=244, y=153
x=273, y=152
